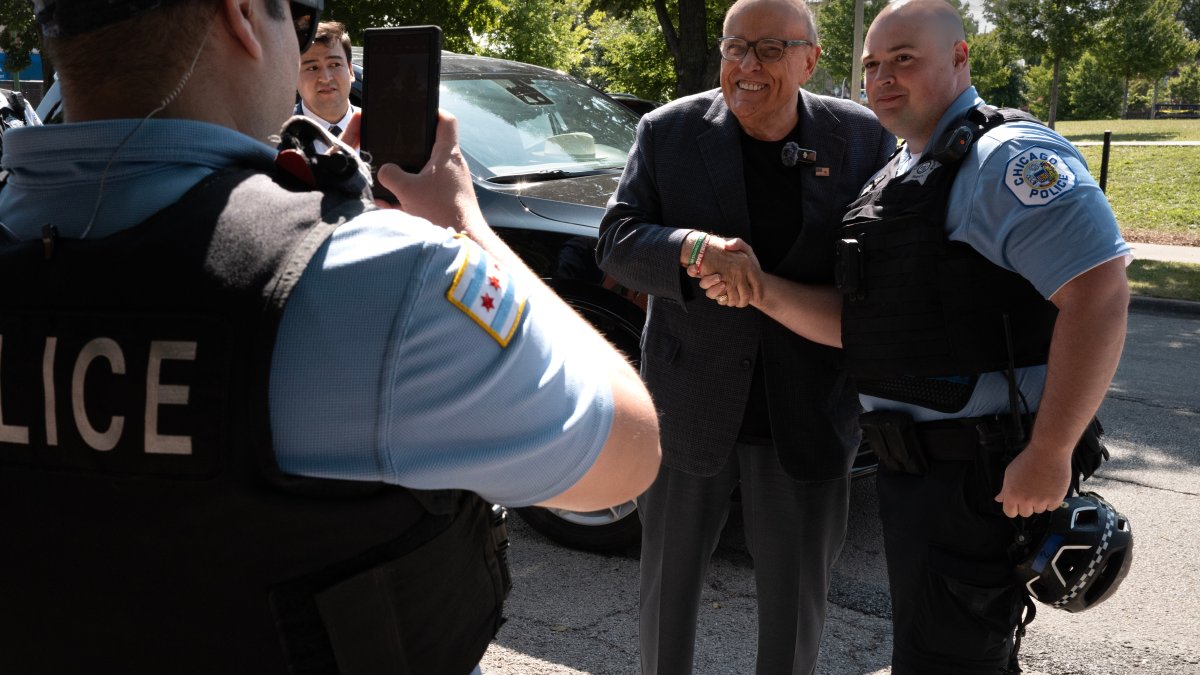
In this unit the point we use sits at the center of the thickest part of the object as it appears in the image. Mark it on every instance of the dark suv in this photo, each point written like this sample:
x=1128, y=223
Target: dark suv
x=546, y=151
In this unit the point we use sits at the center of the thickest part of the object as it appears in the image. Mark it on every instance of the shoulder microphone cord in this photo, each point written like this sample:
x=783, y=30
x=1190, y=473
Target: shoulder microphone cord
x=161, y=105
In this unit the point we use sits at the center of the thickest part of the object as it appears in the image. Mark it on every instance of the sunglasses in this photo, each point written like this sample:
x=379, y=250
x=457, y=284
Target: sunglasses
x=305, y=16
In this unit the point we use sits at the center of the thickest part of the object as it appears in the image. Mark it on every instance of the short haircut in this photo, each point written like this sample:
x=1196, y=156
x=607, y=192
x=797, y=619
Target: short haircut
x=329, y=33
x=169, y=37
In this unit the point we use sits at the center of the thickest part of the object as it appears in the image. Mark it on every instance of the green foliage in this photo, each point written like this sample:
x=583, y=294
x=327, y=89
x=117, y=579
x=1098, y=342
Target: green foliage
x=835, y=21
x=1185, y=87
x=1142, y=38
x=1094, y=92
x=20, y=35
x=1189, y=14
x=459, y=19
x=1140, y=93
x=1037, y=90
x=548, y=33
x=1061, y=29
x=630, y=55
x=821, y=82
x=690, y=29
x=995, y=70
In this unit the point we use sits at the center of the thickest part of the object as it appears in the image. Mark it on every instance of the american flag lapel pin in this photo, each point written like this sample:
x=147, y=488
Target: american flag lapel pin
x=823, y=171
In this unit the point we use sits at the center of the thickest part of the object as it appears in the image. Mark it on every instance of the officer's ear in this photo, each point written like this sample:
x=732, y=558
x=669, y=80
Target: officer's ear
x=961, y=51
x=242, y=19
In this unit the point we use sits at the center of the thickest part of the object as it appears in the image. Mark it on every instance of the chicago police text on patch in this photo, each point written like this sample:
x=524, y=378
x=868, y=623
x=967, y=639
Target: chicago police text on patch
x=127, y=395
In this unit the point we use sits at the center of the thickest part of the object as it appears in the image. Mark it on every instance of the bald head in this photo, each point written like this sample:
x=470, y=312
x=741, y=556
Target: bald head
x=915, y=65
x=938, y=16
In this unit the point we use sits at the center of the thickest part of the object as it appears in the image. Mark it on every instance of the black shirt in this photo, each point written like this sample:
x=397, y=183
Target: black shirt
x=776, y=218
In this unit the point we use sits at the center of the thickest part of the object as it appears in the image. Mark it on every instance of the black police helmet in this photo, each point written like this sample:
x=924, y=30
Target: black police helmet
x=1082, y=557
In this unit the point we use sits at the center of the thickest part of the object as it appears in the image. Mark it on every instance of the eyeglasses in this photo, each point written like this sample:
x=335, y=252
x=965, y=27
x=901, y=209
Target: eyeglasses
x=767, y=50
x=305, y=16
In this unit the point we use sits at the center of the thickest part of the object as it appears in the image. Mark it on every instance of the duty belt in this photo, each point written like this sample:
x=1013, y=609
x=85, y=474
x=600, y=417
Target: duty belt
x=904, y=445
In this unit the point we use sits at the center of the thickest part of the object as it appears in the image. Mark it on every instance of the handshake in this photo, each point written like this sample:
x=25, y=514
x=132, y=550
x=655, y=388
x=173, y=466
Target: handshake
x=728, y=270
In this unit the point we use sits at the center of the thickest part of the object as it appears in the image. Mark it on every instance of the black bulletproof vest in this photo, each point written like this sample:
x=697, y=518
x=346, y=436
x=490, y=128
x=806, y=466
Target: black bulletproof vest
x=919, y=308
x=146, y=526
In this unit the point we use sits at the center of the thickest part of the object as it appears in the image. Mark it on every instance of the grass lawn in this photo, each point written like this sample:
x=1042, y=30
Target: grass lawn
x=1154, y=191
x=1131, y=130
x=1179, y=281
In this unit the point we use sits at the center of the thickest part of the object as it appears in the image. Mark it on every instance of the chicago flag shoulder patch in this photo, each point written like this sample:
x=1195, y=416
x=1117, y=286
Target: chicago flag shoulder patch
x=1038, y=176
x=488, y=294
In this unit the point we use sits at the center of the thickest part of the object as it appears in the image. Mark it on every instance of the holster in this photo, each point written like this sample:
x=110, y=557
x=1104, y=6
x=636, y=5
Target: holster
x=1089, y=454
x=892, y=437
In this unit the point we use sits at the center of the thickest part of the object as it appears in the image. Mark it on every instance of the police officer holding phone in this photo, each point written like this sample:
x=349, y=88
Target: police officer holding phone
x=249, y=422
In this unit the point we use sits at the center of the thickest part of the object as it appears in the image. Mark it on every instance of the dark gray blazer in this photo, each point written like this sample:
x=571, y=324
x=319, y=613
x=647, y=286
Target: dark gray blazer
x=685, y=173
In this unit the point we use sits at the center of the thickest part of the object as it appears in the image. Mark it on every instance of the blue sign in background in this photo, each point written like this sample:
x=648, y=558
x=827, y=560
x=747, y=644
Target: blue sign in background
x=33, y=72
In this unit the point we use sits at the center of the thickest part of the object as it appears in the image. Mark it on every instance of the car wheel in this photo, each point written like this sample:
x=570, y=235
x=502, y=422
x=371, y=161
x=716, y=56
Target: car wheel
x=616, y=528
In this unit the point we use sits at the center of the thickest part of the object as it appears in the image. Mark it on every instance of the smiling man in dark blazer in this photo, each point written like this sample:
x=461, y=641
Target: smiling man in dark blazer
x=741, y=398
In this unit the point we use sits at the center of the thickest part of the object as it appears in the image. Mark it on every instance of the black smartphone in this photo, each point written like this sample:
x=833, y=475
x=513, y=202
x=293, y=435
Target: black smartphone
x=401, y=76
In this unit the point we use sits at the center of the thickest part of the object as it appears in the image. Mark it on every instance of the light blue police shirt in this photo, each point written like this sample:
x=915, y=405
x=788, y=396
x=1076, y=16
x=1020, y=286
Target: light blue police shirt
x=1024, y=199
x=376, y=375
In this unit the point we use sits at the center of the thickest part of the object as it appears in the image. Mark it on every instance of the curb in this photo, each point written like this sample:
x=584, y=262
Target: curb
x=1183, y=308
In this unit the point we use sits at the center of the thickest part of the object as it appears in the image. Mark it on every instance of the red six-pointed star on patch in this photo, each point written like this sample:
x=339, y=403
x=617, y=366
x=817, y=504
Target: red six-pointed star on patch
x=487, y=302
x=494, y=282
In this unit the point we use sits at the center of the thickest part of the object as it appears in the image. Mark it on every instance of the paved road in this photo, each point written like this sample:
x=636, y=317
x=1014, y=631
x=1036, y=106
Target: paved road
x=573, y=612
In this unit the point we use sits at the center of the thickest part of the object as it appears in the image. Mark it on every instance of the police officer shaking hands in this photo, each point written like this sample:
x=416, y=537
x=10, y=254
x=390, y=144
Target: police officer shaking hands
x=981, y=305
x=250, y=422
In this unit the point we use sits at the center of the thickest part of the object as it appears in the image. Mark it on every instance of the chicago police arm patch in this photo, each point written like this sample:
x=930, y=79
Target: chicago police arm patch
x=1038, y=176
x=488, y=294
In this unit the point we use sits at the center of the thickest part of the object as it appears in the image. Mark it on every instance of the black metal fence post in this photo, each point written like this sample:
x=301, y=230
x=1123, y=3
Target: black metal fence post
x=1104, y=162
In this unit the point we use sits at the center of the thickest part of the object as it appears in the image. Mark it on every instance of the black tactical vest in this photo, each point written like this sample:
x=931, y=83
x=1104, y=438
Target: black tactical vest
x=146, y=526
x=920, y=312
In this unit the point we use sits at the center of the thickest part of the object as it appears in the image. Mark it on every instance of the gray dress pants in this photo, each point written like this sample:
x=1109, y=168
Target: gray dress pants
x=794, y=531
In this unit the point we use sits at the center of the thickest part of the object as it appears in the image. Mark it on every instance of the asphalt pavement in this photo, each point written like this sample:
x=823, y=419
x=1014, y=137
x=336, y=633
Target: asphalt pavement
x=575, y=613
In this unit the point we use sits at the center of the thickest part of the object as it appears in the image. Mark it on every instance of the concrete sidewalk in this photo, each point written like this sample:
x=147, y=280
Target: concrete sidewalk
x=1165, y=253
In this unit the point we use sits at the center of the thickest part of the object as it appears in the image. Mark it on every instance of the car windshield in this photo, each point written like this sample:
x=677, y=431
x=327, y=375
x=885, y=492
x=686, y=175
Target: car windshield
x=520, y=125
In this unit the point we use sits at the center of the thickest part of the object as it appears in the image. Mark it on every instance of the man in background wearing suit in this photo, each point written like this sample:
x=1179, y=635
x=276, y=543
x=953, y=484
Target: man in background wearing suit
x=740, y=397
x=325, y=78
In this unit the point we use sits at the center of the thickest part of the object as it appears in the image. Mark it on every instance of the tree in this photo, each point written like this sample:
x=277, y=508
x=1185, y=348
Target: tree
x=629, y=54
x=835, y=19
x=548, y=33
x=1185, y=87
x=996, y=70
x=1189, y=14
x=459, y=19
x=1141, y=38
x=690, y=29
x=1059, y=29
x=1094, y=91
x=1037, y=90
x=19, y=37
